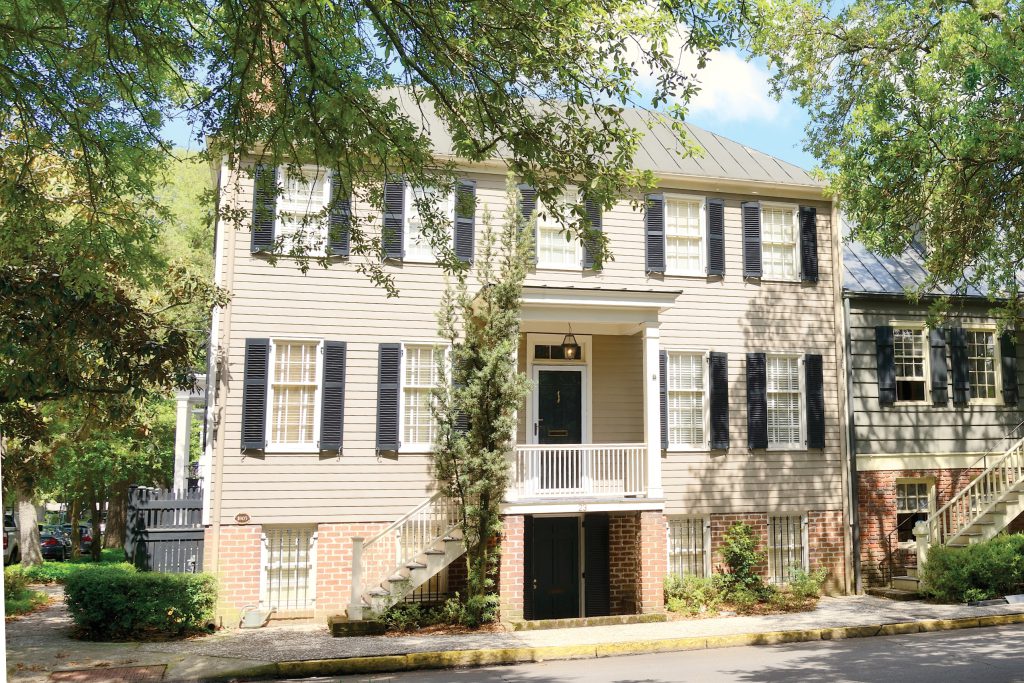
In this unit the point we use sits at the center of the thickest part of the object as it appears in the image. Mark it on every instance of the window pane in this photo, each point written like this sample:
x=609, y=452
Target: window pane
x=422, y=374
x=436, y=204
x=682, y=236
x=778, y=249
x=686, y=547
x=981, y=363
x=783, y=375
x=785, y=547
x=908, y=346
x=421, y=365
x=294, y=393
x=419, y=423
x=686, y=399
x=295, y=362
x=553, y=249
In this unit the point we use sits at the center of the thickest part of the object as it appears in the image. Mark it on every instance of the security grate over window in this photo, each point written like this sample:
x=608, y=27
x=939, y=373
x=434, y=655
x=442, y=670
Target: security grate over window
x=785, y=547
x=289, y=568
x=687, y=546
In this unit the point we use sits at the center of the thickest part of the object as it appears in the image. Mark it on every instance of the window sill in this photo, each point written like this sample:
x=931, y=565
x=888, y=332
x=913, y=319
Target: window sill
x=564, y=269
x=672, y=273
x=786, y=447
x=781, y=280
x=431, y=261
x=285, y=448
x=416, y=449
x=681, y=448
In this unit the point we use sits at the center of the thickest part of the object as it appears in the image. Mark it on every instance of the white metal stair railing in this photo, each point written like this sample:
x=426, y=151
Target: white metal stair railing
x=578, y=471
x=968, y=515
x=412, y=550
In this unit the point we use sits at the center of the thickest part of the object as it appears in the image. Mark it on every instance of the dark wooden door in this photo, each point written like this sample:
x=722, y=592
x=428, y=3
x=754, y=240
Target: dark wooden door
x=555, y=556
x=559, y=406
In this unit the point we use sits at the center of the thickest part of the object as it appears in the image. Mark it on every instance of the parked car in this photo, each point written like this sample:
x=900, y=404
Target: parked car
x=86, y=531
x=12, y=543
x=53, y=546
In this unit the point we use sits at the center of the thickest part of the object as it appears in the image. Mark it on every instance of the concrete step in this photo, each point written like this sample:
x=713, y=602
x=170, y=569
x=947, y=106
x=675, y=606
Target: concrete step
x=906, y=583
x=894, y=594
x=911, y=571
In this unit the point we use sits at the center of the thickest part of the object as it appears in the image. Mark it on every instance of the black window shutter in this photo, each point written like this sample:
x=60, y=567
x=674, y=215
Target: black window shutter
x=814, y=381
x=254, y=394
x=332, y=397
x=961, y=376
x=527, y=206
x=718, y=372
x=393, y=236
x=461, y=416
x=465, y=220
x=338, y=238
x=751, y=212
x=886, y=365
x=937, y=360
x=1008, y=355
x=590, y=244
x=663, y=393
x=654, y=228
x=716, y=237
x=596, y=571
x=808, y=244
x=389, y=368
x=264, y=208
x=757, y=401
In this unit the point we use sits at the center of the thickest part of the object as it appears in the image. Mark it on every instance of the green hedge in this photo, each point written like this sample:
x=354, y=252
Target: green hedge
x=116, y=602
x=976, y=572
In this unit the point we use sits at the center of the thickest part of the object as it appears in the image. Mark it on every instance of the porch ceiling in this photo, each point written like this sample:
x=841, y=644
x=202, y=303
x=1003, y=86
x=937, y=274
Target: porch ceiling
x=600, y=310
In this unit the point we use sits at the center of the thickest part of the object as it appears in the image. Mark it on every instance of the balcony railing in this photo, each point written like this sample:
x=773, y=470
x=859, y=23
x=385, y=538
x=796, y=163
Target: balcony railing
x=602, y=471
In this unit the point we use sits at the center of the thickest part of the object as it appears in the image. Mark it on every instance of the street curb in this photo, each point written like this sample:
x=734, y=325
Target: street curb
x=518, y=655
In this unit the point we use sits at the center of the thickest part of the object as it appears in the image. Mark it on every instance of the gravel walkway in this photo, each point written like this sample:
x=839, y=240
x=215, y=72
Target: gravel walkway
x=40, y=643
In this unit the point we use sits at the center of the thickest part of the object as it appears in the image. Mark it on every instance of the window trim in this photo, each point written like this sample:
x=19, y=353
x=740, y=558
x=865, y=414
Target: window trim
x=705, y=360
x=798, y=265
x=408, y=206
x=930, y=482
x=922, y=329
x=705, y=521
x=314, y=447
x=801, y=383
x=997, y=360
x=311, y=576
x=702, y=269
x=538, y=212
x=416, y=447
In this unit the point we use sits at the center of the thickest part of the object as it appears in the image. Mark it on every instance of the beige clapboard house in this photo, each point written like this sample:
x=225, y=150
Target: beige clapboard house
x=704, y=387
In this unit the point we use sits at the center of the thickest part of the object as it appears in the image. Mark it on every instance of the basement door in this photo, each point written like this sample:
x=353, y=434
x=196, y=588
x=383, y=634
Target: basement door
x=555, y=568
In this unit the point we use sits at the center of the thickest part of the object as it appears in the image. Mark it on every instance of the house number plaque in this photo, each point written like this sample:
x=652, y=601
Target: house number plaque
x=242, y=518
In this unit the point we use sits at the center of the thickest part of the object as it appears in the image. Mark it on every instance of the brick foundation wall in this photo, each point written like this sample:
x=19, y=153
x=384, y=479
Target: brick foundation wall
x=827, y=547
x=653, y=554
x=237, y=570
x=876, y=501
x=511, y=565
x=720, y=523
x=623, y=562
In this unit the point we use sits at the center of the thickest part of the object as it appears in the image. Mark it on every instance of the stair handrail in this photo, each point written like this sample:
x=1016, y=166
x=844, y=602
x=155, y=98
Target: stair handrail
x=938, y=531
x=992, y=449
x=403, y=519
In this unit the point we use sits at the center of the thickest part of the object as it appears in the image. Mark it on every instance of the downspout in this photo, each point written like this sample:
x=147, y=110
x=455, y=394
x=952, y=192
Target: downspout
x=851, y=449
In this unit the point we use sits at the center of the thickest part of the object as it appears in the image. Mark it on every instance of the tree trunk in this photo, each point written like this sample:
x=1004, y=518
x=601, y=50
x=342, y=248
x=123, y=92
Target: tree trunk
x=117, y=516
x=94, y=511
x=76, y=531
x=28, y=530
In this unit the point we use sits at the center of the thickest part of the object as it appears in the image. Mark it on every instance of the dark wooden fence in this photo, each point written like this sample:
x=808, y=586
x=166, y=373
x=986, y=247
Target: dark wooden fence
x=165, y=529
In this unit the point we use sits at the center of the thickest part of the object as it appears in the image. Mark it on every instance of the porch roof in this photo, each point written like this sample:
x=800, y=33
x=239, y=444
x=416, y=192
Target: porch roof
x=595, y=305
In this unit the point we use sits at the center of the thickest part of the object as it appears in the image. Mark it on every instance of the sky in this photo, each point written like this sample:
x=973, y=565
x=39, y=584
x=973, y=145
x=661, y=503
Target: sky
x=734, y=102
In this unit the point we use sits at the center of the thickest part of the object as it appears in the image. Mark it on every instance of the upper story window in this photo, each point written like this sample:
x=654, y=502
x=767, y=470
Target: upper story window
x=421, y=372
x=294, y=385
x=304, y=193
x=557, y=248
x=785, y=417
x=684, y=235
x=421, y=202
x=982, y=364
x=686, y=400
x=909, y=356
x=779, y=236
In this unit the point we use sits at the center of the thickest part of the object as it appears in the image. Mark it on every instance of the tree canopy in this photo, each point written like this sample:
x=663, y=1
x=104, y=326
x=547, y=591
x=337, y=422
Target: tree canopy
x=916, y=115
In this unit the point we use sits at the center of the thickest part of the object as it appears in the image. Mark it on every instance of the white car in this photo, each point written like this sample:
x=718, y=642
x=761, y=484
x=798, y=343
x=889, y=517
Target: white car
x=12, y=547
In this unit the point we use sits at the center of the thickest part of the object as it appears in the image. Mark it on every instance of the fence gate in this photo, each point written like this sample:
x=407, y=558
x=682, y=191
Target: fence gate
x=165, y=529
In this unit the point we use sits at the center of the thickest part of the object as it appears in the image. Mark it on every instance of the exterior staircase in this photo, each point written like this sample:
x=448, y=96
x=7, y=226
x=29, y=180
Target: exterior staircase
x=409, y=552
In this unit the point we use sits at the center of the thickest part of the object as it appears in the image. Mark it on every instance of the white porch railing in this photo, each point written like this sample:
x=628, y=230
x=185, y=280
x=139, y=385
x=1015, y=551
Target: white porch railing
x=579, y=471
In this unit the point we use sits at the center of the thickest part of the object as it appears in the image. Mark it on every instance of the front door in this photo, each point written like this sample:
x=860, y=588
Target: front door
x=559, y=406
x=555, y=556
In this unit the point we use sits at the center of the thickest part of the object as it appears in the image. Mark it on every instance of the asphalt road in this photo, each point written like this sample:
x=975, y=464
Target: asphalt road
x=980, y=654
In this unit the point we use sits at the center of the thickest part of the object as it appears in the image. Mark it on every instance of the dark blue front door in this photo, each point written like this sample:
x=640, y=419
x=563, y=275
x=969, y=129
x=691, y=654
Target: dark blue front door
x=559, y=406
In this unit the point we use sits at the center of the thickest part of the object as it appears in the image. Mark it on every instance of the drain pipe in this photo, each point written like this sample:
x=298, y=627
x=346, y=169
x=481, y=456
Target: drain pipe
x=851, y=449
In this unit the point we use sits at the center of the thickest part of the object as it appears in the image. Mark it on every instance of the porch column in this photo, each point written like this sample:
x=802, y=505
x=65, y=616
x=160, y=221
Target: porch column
x=652, y=411
x=182, y=440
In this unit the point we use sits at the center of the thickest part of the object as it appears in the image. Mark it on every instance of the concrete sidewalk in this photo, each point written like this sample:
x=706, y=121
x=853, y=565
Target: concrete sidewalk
x=41, y=643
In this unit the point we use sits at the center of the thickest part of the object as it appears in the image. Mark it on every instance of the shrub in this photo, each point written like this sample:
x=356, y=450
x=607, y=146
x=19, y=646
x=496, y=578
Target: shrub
x=804, y=584
x=692, y=594
x=110, y=602
x=58, y=572
x=15, y=582
x=409, y=616
x=976, y=572
x=403, y=616
x=739, y=549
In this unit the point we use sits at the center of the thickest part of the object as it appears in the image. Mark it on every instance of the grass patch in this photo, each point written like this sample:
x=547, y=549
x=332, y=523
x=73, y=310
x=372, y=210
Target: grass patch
x=24, y=601
x=51, y=571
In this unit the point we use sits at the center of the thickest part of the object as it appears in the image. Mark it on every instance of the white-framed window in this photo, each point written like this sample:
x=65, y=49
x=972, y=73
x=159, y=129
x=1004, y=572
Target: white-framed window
x=294, y=394
x=780, y=242
x=787, y=546
x=685, y=225
x=689, y=540
x=421, y=201
x=983, y=365
x=305, y=193
x=557, y=248
x=913, y=502
x=421, y=372
x=911, y=361
x=288, y=564
x=785, y=401
x=687, y=400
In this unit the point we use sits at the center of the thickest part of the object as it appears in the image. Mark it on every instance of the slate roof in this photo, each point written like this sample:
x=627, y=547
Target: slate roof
x=660, y=152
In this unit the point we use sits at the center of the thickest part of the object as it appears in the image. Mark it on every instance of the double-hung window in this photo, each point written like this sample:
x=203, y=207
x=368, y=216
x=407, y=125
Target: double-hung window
x=421, y=372
x=983, y=365
x=689, y=540
x=422, y=205
x=912, y=505
x=780, y=252
x=787, y=549
x=305, y=193
x=785, y=400
x=684, y=235
x=294, y=394
x=557, y=248
x=909, y=356
x=687, y=401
